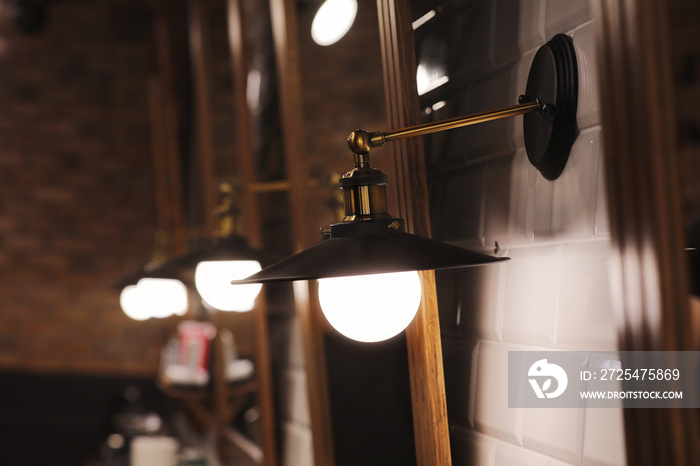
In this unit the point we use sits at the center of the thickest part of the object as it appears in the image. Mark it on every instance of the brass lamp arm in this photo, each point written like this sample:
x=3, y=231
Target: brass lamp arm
x=361, y=141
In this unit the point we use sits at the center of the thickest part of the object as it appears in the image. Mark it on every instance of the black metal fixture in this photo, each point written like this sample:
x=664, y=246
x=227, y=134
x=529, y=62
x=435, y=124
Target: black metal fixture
x=370, y=241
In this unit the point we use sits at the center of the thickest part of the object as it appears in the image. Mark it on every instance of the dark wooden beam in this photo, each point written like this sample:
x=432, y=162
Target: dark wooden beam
x=651, y=295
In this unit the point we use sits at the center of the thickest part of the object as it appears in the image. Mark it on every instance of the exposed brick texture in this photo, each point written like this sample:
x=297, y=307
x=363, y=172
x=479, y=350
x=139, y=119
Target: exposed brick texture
x=76, y=202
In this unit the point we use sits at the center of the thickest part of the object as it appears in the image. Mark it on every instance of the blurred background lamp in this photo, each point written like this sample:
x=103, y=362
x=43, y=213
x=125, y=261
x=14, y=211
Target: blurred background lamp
x=333, y=20
x=132, y=305
x=154, y=297
x=213, y=282
x=224, y=258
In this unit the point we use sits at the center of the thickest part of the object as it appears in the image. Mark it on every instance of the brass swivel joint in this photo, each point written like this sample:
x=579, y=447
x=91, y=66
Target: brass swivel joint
x=364, y=187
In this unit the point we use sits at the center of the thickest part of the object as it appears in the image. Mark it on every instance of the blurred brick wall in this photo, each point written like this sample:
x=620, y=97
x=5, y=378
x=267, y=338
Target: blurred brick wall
x=76, y=202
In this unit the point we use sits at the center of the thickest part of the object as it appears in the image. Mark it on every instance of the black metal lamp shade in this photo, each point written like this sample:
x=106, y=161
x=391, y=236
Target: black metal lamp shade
x=147, y=272
x=364, y=254
x=369, y=241
x=220, y=249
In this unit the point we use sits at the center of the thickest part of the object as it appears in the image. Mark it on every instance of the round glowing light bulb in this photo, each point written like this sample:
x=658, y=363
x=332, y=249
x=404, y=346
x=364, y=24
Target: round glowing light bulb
x=164, y=296
x=333, y=20
x=154, y=297
x=213, y=282
x=131, y=304
x=370, y=308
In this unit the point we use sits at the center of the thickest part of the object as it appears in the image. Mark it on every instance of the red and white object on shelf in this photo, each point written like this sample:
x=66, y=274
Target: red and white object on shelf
x=192, y=367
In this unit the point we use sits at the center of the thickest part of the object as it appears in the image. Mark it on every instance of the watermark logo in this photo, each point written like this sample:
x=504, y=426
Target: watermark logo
x=603, y=379
x=544, y=371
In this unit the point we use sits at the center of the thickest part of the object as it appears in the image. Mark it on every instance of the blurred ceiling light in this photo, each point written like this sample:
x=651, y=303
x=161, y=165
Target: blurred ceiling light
x=423, y=19
x=333, y=20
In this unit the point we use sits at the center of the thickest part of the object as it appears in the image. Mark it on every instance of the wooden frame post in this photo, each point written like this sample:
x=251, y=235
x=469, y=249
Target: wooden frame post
x=423, y=335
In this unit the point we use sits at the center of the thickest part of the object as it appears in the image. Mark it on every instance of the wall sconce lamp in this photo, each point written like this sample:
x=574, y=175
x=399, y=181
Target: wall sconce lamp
x=152, y=293
x=369, y=289
x=157, y=291
x=227, y=257
x=157, y=297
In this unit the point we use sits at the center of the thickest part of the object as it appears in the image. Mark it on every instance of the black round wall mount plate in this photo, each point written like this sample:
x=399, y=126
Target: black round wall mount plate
x=553, y=80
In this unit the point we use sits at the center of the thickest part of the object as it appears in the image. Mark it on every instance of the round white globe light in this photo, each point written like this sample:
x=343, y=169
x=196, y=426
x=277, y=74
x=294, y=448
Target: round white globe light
x=164, y=296
x=154, y=297
x=370, y=308
x=132, y=305
x=333, y=20
x=213, y=282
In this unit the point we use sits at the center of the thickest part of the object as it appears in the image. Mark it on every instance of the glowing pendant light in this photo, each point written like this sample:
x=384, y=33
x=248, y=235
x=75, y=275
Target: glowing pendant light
x=387, y=304
x=213, y=281
x=225, y=258
x=154, y=297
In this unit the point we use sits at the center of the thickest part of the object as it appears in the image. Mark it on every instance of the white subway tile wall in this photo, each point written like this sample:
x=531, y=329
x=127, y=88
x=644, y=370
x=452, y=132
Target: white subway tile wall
x=522, y=201
x=508, y=454
x=564, y=15
x=585, y=320
x=480, y=294
x=588, y=113
x=460, y=356
x=603, y=434
x=574, y=194
x=492, y=416
x=555, y=432
x=497, y=186
x=531, y=30
x=531, y=291
x=553, y=293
